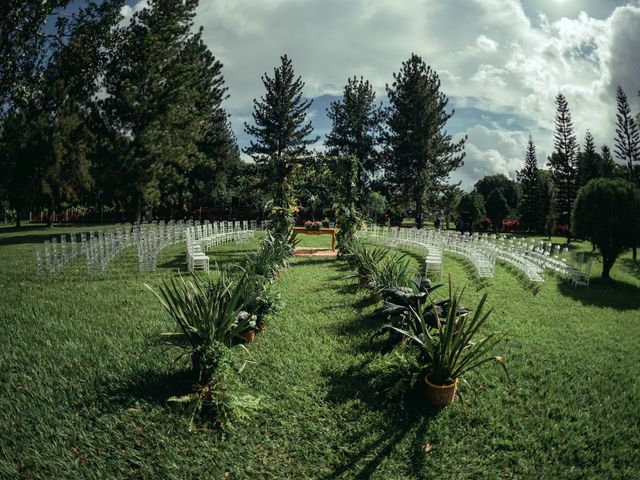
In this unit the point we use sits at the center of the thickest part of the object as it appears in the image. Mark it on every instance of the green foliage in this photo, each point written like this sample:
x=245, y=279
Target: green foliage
x=592, y=165
x=392, y=271
x=471, y=209
x=497, y=208
x=374, y=204
x=172, y=142
x=208, y=312
x=356, y=129
x=627, y=146
x=420, y=155
x=274, y=253
x=509, y=188
x=453, y=351
x=529, y=177
x=280, y=126
x=603, y=214
x=562, y=162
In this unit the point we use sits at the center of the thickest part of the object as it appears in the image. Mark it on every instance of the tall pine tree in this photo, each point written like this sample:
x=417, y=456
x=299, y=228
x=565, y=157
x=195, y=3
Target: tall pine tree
x=590, y=163
x=420, y=154
x=528, y=177
x=627, y=147
x=282, y=135
x=154, y=105
x=356, y=128
x=562, y=162
x=280, y=118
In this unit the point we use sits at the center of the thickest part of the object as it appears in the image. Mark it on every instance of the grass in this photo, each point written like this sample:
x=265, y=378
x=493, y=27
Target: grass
x=84, y=395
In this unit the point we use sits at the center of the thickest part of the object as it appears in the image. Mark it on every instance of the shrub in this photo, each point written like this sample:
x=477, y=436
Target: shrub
x=606, y=212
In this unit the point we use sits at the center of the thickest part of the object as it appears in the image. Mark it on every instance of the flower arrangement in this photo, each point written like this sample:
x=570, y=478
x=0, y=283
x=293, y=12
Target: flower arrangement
x=315, y=226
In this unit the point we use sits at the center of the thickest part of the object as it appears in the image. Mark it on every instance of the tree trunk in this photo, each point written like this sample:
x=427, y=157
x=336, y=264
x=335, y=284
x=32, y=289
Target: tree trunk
x=18, y=218
x=50, y=218
x=607, y=264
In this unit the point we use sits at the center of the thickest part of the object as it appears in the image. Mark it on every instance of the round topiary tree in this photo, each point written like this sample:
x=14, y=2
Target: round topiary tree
x=606, y=211
x=497, y=208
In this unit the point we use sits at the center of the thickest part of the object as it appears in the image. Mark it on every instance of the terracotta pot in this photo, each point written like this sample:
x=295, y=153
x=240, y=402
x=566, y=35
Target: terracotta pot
x=262, y=327
x=441, y=395
x=249, y=335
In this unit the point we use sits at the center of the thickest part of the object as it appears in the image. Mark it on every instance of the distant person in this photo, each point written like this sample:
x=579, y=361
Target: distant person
x=436, y=222
x=419, y=221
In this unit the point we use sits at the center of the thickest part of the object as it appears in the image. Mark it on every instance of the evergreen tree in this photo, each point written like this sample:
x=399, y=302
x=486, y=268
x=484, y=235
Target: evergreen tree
x=281, y=134
x=154, y=105
x=279, y=118
x=420, y=155
x=546, y=215
x=563, y=161
x=356, y=128
x=529, y=208
x=590, y=164
x=627, y=146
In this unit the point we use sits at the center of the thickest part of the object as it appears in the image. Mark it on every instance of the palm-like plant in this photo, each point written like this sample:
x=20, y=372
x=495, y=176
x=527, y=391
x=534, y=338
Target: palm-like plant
x=209, y=313
x=451, y=351
x=393, y=272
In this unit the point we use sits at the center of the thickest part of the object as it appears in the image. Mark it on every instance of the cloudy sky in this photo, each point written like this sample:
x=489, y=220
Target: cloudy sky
x=501, y=62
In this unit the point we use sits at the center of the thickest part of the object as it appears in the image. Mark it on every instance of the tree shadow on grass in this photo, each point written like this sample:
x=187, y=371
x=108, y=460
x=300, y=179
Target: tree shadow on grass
x=604, y=293
x=632, y=268
x=392, y=391
x=151, y=386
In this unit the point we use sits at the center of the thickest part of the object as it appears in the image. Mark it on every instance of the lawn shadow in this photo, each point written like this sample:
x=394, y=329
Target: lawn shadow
x=151, y=386
x=398, y=396
x=604, y=293
x=633, y=268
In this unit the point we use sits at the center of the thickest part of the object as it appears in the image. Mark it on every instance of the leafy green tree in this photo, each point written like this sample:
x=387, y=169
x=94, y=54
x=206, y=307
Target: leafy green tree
x=356, y=128
x=562, y=161
x=509, y=188
x=471, y=209
x=601, y=213
x=24, y=46
x=161, y=89
x=446, y=202
x=375, y=204
x=497, y=208
x=50, y=161
x=420, y=154
x=529, y=206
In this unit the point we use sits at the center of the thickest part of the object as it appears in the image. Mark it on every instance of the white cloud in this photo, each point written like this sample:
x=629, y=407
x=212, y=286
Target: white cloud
x=485, y=44
x=486, y=50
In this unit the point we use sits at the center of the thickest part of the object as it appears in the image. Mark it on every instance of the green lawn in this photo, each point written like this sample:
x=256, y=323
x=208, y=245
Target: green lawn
x=83, y=394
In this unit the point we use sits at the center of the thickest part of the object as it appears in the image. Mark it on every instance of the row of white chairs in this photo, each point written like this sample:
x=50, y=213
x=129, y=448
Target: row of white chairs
x=201, y=238
x=483, y=250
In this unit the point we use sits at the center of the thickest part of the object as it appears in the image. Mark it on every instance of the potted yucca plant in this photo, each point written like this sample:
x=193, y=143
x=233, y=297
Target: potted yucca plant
x=393, y=272
x=451, y=351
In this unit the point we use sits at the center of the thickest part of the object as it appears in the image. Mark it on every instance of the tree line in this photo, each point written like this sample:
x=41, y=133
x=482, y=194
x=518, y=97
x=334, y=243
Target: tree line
x=102, y=112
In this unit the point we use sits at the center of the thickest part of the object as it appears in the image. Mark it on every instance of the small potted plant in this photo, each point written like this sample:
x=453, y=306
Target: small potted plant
x=251, y=321
x=451, y=351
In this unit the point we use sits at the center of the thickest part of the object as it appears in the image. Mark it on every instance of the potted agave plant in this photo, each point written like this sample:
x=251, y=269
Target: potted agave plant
x=451, y=351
